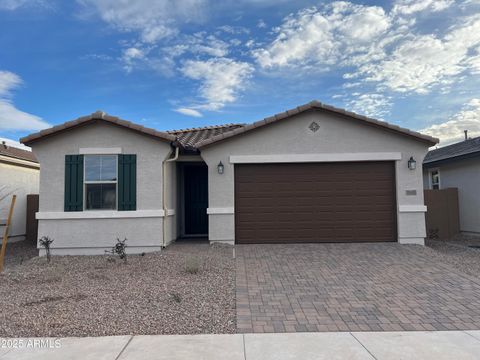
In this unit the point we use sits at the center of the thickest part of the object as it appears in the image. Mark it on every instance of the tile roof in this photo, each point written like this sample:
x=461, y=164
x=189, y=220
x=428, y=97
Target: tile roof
x=13, y=152
x=189, y=138
x=319, y=106
x=96, y=116
x=454, y=151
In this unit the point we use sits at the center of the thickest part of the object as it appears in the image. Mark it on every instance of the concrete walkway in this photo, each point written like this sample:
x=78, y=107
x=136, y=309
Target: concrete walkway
x=459, y=345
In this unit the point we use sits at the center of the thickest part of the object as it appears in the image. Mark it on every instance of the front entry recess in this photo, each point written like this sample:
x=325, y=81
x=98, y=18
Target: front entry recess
x=196, y=199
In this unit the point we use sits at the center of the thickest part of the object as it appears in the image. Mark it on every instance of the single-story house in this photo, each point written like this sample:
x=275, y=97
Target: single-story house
x=458, y=166
x=19, y=175
x=314, y=173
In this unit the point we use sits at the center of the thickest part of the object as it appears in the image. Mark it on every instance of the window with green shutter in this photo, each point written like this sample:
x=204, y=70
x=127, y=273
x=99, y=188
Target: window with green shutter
x=73, y=182
x=127, y=182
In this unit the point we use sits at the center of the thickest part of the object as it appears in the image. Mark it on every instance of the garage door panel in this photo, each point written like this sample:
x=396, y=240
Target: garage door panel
x=327, y=202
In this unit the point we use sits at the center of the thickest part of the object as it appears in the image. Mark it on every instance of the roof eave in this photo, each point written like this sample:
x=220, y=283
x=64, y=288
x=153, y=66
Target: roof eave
x=97, y=116
x=450, y=159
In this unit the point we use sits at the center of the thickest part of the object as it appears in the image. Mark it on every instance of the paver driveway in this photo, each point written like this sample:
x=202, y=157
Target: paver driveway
x=351, y=287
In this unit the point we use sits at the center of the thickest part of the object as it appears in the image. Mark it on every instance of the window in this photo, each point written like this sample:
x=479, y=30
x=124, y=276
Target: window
x=100, y=182
x=435, y=179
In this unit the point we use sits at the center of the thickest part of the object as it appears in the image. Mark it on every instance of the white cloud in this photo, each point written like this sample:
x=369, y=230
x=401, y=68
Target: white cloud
x=154, y=20
x=376, y=47
x=189, y=112
x=221, y=80
x=409, y=7
x=261, y=24
x=372, y=105
x=130, y=56
x=10, y=117
x=14, y=143
x=424, y=61
x=16, y=4
x=324, y=36
x=451, y=131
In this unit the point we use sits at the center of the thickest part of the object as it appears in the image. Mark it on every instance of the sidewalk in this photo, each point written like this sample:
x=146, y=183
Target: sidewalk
x=439, y=345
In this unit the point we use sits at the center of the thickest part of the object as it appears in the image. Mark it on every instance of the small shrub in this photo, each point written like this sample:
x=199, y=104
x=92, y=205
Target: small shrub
x=119, y=249
x=45, y=241
x=192, y=265
x=433, y=233
x=176, y=297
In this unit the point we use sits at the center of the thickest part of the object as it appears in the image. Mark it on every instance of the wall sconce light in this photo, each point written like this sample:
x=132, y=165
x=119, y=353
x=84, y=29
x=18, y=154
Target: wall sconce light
x=412, y=164
x=220, y=168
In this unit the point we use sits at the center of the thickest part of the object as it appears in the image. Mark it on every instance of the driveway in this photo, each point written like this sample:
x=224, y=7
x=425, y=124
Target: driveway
x=351, y=287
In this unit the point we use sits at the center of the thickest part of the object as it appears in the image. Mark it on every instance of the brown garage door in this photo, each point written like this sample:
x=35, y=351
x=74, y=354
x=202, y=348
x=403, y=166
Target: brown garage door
x=315, y=202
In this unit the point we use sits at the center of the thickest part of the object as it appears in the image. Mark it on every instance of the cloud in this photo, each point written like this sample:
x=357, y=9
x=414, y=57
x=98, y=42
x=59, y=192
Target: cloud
x=221, y=80
x=10, y=117
x=372, y=105
x=16, y=4
x=409, y=7
x=130, y=56
x=374, y=47
x=154, y=20
x=323, y=36
x=14, y=143
x=424, y=61
x=468, y=118
x=189, y=112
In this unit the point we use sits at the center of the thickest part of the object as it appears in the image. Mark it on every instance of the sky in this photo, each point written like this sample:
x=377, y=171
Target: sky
x=173, y=64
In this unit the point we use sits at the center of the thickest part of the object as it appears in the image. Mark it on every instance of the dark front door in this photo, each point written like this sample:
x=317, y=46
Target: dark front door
x=196, y=199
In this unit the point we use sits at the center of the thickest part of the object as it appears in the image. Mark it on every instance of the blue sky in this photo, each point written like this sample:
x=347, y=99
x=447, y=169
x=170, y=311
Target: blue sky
x=187, y=63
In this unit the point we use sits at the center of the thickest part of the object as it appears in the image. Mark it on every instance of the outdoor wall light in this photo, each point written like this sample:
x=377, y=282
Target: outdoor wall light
x=220, y=168
x=412, y=164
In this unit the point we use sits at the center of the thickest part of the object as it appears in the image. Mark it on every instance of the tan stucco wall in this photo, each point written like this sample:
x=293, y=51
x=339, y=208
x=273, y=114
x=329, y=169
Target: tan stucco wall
x=464, y=175
x=20, y=181
x=336, y=135
x=97, y=234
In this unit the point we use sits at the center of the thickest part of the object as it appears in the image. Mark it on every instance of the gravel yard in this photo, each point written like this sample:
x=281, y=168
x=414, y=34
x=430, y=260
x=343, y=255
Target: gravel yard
x=150, y=294
x=458, y=253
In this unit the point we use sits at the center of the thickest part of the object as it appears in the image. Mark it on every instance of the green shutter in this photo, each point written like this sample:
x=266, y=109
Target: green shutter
x=73, y=182
x=127, y=182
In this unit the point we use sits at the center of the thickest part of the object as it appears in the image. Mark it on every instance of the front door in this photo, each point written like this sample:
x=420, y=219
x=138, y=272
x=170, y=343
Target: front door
x=196, y=199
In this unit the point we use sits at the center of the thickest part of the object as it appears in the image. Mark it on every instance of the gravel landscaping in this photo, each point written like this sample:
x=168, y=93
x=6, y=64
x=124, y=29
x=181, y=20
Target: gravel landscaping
x=150, y=294
x=458, y=253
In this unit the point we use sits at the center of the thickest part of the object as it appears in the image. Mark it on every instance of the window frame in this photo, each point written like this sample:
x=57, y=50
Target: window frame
x=430, y=182
x=86, y=182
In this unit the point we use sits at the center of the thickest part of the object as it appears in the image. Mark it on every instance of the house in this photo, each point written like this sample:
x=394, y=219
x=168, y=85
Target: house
x=314, y=173
x=19, y=175
x=458, y=166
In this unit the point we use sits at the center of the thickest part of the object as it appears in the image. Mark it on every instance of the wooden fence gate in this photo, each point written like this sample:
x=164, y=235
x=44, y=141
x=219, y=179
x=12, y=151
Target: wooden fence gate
x=442, y=219
x=32, y=222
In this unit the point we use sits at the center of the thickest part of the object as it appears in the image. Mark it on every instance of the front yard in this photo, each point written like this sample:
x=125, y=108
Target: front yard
x=150, y=294
x=267, y=288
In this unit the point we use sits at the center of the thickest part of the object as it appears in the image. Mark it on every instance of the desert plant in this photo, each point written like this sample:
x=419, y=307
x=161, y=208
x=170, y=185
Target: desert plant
x=192, y=264
x=176, y=297
x=45, y=241
x=119, y=249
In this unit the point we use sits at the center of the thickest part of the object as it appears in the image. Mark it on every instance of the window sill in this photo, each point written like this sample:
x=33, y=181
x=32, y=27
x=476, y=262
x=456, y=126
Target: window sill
x=100, y=214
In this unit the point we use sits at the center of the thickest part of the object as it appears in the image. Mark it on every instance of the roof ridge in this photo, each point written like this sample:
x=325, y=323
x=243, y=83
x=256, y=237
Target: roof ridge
x=209, y=127
x=315, y=104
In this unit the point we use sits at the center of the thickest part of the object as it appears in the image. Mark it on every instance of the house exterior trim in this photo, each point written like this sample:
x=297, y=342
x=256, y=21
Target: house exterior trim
x=100, y=151
x=70, y=215
x=221, y=210
x=334, y=157
x=412, y=208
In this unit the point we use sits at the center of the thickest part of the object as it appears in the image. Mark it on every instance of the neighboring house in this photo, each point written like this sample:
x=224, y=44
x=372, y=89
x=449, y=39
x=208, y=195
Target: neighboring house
x=19, y=175
x=458, y=165
x=314, y=173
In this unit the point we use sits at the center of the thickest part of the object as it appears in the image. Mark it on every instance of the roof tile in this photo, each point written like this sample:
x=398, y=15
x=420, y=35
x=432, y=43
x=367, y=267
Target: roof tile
x=457, y=150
